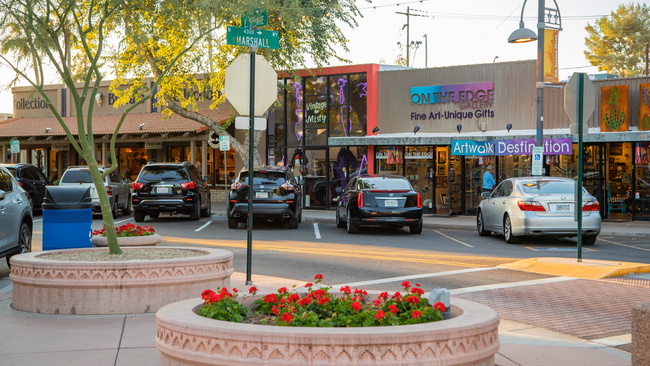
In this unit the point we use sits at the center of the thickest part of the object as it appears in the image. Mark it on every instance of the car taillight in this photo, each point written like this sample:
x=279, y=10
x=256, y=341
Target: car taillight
x=419, y=201
x=137, y=186
x=530, y=206
x=287, y=186
x=109, y=190
x=188, y=185
x=20, y=184
x=236, y=186
x=360, y=200
x=591, y=206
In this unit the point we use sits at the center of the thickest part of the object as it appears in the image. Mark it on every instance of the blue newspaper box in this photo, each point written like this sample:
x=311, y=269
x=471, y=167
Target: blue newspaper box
x=67, y=217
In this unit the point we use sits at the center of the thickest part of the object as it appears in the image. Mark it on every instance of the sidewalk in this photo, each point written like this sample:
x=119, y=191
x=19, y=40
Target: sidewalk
x=129, y=340
x=622, y=229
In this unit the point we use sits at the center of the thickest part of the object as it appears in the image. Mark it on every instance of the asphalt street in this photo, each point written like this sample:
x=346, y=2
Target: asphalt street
x=376, y=258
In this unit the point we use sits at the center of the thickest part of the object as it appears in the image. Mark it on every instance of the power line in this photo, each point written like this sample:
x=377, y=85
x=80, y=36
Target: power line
x=394, y=4
x=500, y=24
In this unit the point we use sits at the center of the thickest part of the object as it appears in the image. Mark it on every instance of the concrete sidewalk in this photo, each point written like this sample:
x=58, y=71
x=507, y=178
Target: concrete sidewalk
x=35, y=339
x=622, y=229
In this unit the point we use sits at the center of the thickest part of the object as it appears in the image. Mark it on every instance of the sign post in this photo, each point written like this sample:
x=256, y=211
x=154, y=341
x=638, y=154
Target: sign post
x=579, y=103
x=224, y=145
x=15, y=149
x=253, y=38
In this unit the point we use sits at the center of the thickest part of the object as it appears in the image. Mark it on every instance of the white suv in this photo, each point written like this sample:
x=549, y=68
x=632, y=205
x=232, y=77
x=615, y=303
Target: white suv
x=118, y=189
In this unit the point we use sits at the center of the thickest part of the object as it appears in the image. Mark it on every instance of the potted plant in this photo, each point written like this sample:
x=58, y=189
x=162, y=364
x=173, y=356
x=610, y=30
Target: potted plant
x=128, y=235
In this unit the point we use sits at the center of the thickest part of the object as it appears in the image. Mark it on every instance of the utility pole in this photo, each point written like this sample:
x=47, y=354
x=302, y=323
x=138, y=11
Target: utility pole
x=426, y=51
x=411, y=13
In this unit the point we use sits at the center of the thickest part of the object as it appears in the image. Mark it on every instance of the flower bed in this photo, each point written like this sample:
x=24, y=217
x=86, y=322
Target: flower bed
x=319, y=308
x=128, y=235
x=127, y=230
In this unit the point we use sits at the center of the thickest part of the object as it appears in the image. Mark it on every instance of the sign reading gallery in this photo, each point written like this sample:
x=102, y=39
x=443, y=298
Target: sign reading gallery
x=476, y=96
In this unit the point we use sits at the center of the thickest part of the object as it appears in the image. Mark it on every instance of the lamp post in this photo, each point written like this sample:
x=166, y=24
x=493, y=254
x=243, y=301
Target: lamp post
x=523, y=35
x=426, y=51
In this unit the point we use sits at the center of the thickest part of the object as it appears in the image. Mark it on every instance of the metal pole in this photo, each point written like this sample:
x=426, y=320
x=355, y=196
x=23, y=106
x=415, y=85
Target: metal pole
x=408, y=30
x=578, y=208
x=251, y=168
x=426, y=52
x=225, y=178
x=646, y=59
x=540, y=69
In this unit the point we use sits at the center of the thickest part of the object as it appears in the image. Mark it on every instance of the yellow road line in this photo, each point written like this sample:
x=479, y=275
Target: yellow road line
x=623, y=245
x=456, y=240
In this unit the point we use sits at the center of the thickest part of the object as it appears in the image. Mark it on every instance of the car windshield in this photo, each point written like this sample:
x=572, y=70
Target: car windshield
x=384, y=183
x=548, y=187
x=158, y=173
x=276, y=178
x=77, y=176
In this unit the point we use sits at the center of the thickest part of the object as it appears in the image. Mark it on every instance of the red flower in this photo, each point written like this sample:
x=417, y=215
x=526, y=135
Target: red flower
x=406, y=284
x=224, y=292
x=413, y=299
x=282, y=290
x=324, y=300
x=383, y=295
x=417, y=290
x=397, y=296
x=355, y=306
x=417, y=284
x=416, y=314
x=206, y=293
x=377, y=302
x=393, y=309
x=274, y=310
x=286, y=317
x=346, y=290
x=309, y=284
x=318, y=277
x=235, y=290
x=294, y=297
x=318, y=293
x=252, y=290
x=440, y=306
x=305, y=301
x=212, y=298
x=380, y=314
x=354, y=298
x=271, y=298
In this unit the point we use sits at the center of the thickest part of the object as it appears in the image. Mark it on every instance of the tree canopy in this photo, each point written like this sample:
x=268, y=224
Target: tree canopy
x=617, y=43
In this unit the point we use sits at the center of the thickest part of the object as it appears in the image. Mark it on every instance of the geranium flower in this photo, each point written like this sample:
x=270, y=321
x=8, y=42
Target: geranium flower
x=416, y=314
x=212, y=298
x=274, y=310
x=377, y=302
x=440, y=306
x=282, y=290
x=206, y=293
x=304, y=301
x=235, y=290
x=406, y=284
x=324, y=300
x=308, y=285
x=393, y=309
x=286, y=317
x=346, y=290
x=397, y=296
x=318, y=293
x=413, y=299
x=356, y=306
x=271, y=298
x=380, y=314
x=294, y=297
x=417, y=284
x=383, y=295
x=417, y=290
x=318, y=277
x=252, y=290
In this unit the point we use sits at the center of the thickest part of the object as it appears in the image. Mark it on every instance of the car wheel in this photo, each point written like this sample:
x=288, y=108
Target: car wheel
x=127, y=209
x=480, y=225
x=114, y=208
x=196, y=210
x=352, y=227
x=24, y=241
x=339, y=223
x=206, y=212
x=589, y=240
x=293, y=223
x=232, y=223
x=417, y=229
x=507, y=231
x=154, y=215
x=138, y=215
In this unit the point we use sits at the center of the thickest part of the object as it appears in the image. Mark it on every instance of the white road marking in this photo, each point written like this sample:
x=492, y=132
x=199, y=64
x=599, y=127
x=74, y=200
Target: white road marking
x=426, y=275
x=38, y=220
x=121, y=221
x=456, y=240
x=615, y=341
x=7, y=288
x=316, y=231
x=204, y=226
x=465, y=290
x=623, y=245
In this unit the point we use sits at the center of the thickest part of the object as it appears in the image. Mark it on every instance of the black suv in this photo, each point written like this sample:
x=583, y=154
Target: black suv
x=277, y=196
x=32, y=180
x=170, y=187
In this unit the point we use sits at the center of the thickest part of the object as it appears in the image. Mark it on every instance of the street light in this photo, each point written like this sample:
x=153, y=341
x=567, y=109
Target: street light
x=523, y=35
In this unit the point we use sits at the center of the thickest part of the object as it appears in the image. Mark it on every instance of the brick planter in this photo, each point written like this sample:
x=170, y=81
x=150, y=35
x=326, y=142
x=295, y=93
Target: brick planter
x=129, y=287
x=128, y=241
x=470, y=337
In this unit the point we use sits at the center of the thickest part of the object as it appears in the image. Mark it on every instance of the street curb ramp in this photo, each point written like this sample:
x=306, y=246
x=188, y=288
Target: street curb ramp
x=569, y=267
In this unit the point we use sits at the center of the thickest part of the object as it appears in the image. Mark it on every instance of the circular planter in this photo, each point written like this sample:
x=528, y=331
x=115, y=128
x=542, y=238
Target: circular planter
x=470, y=337
x=129, y=287
x=129, y=241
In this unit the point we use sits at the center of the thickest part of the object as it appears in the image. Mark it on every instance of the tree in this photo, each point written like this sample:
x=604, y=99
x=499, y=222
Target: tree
x=617, y=43
x=48, y=23
x=308, y=30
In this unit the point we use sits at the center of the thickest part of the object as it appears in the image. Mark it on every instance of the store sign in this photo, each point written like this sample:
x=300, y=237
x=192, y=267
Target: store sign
x=153, y=145
x=316, y=112
x=60, y=147
x=476, y=96
x=562, y=146
x=412, y=155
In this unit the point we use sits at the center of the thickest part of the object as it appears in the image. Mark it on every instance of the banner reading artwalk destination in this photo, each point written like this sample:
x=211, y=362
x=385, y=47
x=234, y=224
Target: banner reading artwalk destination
x=562, y=146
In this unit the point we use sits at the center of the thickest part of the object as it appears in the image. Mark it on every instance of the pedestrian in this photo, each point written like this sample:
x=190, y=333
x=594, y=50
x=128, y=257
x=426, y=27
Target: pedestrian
x=488, y=179
x=231, y=175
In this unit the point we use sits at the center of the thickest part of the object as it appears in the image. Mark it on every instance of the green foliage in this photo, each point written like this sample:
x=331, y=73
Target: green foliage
x=616, y=44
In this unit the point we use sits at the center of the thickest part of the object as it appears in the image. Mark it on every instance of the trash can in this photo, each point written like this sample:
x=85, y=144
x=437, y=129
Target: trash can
x=67, y=218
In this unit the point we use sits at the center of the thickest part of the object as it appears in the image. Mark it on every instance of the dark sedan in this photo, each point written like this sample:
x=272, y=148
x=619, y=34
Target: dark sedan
x=32, y=180
x=379, y=200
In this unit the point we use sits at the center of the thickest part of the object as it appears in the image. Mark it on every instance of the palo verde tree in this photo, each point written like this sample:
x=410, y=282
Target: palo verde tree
x=617, y=43
x=49, y=23
x=309, y=30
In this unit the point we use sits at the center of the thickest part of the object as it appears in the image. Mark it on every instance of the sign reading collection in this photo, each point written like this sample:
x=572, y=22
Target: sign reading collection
x=476, y=96
x=563, y=146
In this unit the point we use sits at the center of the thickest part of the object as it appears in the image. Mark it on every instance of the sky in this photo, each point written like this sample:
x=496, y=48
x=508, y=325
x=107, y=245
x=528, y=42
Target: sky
x=459, y=32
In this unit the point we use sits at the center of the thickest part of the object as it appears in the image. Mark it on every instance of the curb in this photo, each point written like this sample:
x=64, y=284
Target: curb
x=588, y=269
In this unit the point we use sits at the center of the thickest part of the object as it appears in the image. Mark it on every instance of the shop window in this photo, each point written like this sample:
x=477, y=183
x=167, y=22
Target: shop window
x=315, y=136
x=339, y=90
x=619, y=180
x=316, y=85
x=358, y=89
x=642, y=181
x=382, y=165
x=295, y=113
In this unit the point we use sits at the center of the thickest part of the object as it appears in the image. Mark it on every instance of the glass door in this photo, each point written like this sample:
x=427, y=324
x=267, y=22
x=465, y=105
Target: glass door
x=314, y=163
x=419, y=164
x=453, y=182
x=618, y=188
x=642, y=181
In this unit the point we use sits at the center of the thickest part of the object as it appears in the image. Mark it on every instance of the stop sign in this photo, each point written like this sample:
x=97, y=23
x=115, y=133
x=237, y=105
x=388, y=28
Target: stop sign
x=588, y=99
x=238, y=84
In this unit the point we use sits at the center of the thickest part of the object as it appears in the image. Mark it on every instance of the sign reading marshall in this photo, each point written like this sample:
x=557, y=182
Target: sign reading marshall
x=478, y=96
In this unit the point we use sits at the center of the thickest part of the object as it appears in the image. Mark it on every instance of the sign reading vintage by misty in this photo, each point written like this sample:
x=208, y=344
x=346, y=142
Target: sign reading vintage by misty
x=474, y=100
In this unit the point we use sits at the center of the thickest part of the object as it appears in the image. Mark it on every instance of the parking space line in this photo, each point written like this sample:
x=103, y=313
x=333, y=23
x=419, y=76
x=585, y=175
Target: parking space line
x=204, y=226
x=316, y=231
x=413, y=277
x=456, y=240
x=121, y=221
x=623, y=245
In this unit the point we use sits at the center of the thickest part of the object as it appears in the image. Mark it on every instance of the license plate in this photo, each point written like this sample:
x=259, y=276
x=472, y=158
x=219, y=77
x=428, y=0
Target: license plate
x=563, y=208
x=261, y=195
x=390, y=203
x=163, y=190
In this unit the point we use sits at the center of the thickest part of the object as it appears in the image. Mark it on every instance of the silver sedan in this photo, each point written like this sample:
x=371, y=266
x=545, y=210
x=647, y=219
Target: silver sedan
x=536, y=206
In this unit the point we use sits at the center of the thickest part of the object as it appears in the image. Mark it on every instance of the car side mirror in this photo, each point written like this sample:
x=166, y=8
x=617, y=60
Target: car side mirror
x=2, y=195
x=127, y=180
x=206, y=178
x=485, y=195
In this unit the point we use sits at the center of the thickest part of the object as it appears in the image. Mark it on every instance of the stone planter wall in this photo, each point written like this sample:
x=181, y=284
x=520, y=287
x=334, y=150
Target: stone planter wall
x=641, y=334
x=470, y=337
x=130, y=287
x=129, y=241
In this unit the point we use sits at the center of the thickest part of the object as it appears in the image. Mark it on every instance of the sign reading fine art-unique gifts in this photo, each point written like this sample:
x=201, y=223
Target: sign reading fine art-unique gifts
x=614, y=108
x=644, y=107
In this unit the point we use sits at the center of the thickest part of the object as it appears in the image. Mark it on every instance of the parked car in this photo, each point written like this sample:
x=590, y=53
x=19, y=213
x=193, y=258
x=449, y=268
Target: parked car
x=170, y=187
x=32, y=180
x=537, y=206
x=385, y=200
x=277, y=196
x=15, y=217
x=119, y=192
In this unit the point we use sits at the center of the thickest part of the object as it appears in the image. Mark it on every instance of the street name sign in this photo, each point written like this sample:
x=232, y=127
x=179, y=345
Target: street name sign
x=258, y=18
x=260, y=38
